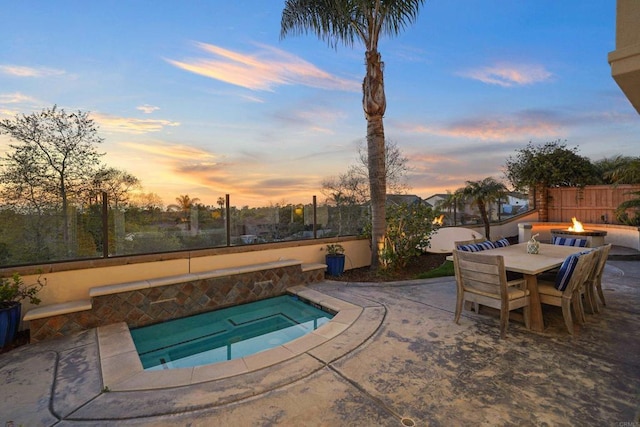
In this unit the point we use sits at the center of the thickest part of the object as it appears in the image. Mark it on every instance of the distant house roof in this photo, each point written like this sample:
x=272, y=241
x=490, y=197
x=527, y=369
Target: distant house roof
x=403, y=199
x=435, y=198
x=517, y=195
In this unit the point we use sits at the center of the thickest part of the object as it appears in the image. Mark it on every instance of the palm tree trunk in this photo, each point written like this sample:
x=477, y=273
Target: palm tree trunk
x=377, y=184
x=374, y=105
x=485, y=219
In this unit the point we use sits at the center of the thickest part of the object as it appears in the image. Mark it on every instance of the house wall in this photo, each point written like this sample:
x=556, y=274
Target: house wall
x=625, y=60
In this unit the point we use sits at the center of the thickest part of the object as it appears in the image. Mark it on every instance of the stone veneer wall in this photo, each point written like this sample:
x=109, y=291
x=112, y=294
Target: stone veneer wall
x=152, y=305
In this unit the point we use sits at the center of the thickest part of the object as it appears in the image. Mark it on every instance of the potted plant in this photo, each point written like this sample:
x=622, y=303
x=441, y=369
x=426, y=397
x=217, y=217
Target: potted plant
x=335, y=259
x=12, y=292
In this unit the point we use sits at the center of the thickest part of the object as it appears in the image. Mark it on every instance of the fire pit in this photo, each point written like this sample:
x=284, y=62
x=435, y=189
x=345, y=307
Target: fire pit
x=594, y=237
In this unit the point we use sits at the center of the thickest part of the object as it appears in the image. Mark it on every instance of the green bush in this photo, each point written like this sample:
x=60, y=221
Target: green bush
x=14, y=290
x=409, y=228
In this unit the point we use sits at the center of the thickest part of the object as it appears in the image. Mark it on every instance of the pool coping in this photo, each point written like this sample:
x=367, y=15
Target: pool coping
x=122, y=369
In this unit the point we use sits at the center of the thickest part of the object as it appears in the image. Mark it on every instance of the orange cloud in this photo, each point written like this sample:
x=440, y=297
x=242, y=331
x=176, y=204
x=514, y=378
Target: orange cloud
x=179, y=169
x=263, y=70
x=422, y=158
x=131, y=125
x=173, y=151
x=507, y=75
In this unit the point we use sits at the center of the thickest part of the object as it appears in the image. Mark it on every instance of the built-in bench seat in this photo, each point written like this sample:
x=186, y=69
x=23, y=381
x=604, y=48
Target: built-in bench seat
x=138, y=302
x=313, y=267
x=181, y=278
x=57, y=309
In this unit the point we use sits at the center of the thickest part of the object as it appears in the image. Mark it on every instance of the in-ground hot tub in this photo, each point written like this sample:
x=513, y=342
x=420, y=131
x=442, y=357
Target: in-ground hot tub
x=594, y=238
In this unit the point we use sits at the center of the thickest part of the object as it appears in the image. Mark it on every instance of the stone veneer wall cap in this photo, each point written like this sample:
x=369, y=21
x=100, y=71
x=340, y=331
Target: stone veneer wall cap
x=230, y=271
x=57, y=309
x=118, y=288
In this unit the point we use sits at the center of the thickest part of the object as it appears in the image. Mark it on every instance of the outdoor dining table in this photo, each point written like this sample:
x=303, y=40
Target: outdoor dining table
x=517, y=259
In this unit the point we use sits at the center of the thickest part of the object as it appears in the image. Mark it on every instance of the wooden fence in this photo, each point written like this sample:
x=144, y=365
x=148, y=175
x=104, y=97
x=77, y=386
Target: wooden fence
x=594, y=204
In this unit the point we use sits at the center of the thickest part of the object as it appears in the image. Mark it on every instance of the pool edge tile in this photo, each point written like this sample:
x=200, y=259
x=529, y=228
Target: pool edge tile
x=348, y=316
x=331, y=329
x=115, y=339
x=305, y=343
x=268, y=358
x=119, y=368
x=217, y=371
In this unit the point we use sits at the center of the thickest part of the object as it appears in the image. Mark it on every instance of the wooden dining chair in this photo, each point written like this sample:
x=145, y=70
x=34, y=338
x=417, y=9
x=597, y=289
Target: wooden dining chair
x=566, y=289
x=594, y=281
x=482, y=279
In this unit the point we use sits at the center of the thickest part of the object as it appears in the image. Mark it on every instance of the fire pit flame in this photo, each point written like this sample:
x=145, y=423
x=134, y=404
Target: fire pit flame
x=577, y=226
x=438, y=220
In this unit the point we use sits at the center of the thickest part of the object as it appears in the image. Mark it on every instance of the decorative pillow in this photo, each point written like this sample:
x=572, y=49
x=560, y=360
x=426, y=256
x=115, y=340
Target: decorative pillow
x=485, y=245
x=566, y=271
x=476, y=247
x=471, y=247
x=569, y=241
x=501, y=243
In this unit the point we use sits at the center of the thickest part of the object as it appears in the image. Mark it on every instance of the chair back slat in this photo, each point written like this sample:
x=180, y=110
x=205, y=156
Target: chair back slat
x=468, y=242
x=595, y=281
x=602, y=260
x=580, y=274
x=480, y=273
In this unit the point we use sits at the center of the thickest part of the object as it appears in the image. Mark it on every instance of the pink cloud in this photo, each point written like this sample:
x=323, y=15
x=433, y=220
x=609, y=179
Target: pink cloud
x=507, y=75
x=263, y=70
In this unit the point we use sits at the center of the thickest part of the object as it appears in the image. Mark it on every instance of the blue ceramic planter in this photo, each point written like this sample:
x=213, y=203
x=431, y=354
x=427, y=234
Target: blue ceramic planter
x=335, y=264
x=9, y=322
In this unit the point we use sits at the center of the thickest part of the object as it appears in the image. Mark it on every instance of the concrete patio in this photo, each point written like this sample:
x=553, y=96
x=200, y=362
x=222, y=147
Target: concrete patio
x=403, y=362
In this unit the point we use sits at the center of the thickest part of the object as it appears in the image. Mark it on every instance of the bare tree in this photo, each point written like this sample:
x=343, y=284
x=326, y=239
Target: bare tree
x=148, y=201
x=395, y=166
x=118, y=185
x=54, y=162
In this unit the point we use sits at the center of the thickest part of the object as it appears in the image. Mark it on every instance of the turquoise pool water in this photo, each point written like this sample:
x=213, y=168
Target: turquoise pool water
x=226, y=334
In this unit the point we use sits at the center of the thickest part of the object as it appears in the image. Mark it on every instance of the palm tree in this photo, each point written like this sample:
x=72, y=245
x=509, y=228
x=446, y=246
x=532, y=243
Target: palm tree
x=184, y=203
x=481, y=194
x=627, y=171
x=453, y=201
x=347, y=21
x=221, y=202
x=621, y=211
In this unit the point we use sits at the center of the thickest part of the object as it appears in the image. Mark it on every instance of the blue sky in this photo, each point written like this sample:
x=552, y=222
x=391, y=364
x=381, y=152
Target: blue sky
x=204, y=98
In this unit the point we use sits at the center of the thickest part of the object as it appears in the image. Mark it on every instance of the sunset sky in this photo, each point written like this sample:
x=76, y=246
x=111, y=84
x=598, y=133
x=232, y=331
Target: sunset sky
x=204, y=98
